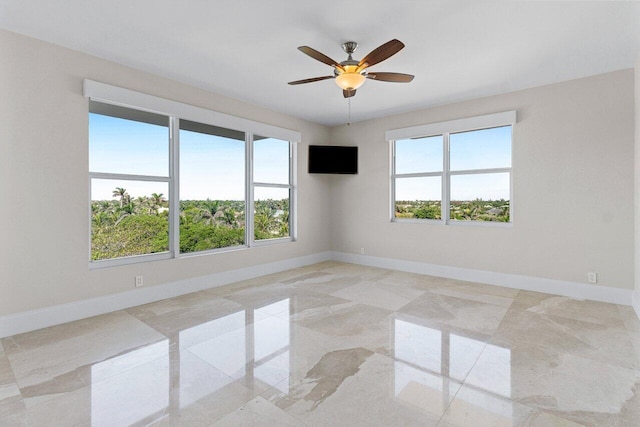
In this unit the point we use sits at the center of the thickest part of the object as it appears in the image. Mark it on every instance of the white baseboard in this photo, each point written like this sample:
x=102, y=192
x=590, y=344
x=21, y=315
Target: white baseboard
x=54, y=315
x=529, y=283
x=50, y=316
x=635, y=302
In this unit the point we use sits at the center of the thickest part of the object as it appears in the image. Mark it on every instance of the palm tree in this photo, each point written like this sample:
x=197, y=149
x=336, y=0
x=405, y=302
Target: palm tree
x=263, y=218
x=208, y=210
x=120, y=192
x=106, y=206
x=100, y=218
x=284, y=224
x=229, y=217
x=157, y=201
x=261, y=222
x=128, y=208
x=144, y=205
x=125, y=211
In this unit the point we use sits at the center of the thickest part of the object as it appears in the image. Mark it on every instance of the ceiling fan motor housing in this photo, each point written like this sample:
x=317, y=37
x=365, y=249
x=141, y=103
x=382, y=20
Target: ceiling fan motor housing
x=349, y=48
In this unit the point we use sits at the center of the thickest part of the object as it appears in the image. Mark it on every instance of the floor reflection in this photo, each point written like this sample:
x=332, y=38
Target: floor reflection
x=250, y=346
x=428, y=359
x=130, y=377
x=422, y=390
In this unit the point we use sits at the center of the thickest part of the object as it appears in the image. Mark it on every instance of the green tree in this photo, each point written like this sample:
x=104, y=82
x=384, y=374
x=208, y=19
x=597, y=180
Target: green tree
x=208, y=210
x=197, y=236
x=229, y=217
x=121, y=193
x=100, y=219
x=428, y=211
x=135, y=235
x=157, y=202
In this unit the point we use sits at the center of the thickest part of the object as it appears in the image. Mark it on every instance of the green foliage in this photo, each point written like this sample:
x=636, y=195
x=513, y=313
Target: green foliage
x=431, y=211
x=271, y=219
x=473, y=210
x=133, y=235
x=126, y=226
x=480, y=210
x=198, y=236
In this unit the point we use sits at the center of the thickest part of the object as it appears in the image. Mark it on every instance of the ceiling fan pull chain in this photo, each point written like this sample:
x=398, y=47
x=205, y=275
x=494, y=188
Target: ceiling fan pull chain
x=349, y=118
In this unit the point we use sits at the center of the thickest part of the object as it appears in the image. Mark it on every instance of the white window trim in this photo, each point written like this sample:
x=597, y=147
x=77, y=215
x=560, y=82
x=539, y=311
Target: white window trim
x=174, y=110
x=454, y=126
x=109, y=94
x=507, y=118
x=291, y=186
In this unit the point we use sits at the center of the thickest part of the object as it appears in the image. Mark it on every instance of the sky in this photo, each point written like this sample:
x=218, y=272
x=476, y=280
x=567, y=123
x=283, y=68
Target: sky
x=211, y=166
x=482, y=149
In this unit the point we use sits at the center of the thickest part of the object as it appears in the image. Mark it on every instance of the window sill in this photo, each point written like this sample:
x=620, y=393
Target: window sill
x=453, y=222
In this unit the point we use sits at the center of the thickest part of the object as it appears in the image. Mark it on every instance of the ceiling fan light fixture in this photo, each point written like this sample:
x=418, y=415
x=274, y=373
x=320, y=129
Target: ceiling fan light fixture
x=350, y=74
x=350, y=80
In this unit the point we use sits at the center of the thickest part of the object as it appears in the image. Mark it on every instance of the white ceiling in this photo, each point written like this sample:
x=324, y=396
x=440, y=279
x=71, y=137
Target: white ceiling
x=246, y=49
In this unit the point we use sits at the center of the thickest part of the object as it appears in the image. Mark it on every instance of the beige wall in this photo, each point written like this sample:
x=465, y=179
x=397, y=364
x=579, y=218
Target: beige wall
x=637, y=182
x=573, y=187
x=44, y=224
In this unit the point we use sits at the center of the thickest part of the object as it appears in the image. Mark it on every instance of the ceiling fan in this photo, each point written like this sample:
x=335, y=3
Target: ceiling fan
x=350, y=74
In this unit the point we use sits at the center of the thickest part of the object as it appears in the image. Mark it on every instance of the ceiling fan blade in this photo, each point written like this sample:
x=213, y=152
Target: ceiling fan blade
x=349, y=93
x=390, y=77
x=319, y=56
x=381, y=53
x=311, y=80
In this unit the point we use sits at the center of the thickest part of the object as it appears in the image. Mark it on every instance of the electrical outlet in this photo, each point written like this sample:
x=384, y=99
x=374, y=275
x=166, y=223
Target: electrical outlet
x=139, y=281
x=361, y=251
x=592, y=277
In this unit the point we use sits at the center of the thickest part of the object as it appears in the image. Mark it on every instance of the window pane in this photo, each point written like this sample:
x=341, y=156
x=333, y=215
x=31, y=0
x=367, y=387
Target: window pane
x=128, y=218
x=270, y=160
x=271, y=213
x=212, y=187
x=418, y=197
x=126, y=141
x=480, y=197
x=419, y=155
x=481, y=149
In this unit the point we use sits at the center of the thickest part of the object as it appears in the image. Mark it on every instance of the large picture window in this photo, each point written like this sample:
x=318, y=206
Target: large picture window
x=164, y=185
x=453, y=172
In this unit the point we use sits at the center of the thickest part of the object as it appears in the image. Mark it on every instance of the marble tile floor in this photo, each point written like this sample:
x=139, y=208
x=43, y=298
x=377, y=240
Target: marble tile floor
x=328, y=345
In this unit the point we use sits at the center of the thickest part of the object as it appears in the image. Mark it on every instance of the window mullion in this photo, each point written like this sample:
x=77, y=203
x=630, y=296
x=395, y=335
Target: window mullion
x=249, y=190
x=174, y=187
x=292, y=191
x=417, y=174
x=392, y=204
x=481, y=171
x=128, y=177
x=446, y=179
x=267, y=184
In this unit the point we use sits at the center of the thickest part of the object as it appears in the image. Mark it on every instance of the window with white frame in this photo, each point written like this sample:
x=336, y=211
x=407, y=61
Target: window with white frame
x=129, y=181
x=211, y=186
x=186, y=180
x=271, y=188
x=453, y=172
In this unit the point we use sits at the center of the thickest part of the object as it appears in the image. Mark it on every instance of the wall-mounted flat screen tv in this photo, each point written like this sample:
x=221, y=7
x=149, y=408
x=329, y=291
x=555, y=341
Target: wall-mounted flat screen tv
x=333, y=159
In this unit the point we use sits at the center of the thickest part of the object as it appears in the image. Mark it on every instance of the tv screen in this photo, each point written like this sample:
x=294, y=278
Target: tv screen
x=333, y=159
